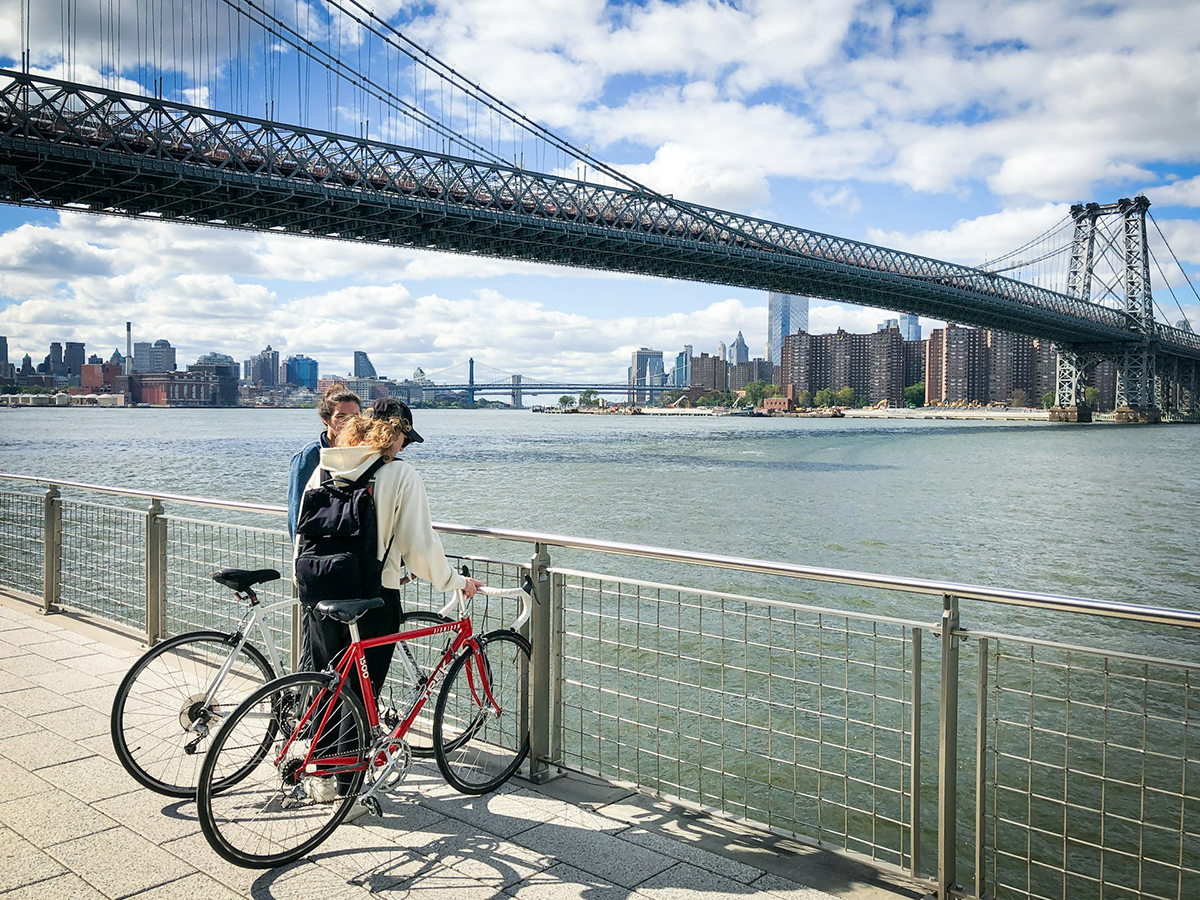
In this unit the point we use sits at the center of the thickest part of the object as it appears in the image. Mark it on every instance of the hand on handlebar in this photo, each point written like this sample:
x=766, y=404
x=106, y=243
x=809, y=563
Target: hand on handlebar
x=471, y=588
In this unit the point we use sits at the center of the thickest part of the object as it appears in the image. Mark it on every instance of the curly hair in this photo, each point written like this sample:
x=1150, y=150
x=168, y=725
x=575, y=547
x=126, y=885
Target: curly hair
x=367, y=431
x=335, y=394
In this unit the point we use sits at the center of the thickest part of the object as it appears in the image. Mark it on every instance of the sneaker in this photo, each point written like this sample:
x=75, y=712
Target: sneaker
x=321, y=790
x=357, y=811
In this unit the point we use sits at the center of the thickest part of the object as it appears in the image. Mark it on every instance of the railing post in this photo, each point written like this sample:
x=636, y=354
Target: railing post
x=541, y=683
x=948, y=751
x=981, y=765
x=52, y=541
x=156, y=573
x=914, y=778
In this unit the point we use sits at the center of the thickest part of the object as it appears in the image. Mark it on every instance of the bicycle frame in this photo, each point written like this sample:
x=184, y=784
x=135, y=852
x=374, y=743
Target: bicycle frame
x=353, y=659
x=254, y=617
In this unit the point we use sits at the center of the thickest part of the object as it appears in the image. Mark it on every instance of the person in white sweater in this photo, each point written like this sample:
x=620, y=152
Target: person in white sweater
x=404, y=525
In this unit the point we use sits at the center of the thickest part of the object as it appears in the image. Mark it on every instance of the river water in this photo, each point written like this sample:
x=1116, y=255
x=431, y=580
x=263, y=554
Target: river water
x=1097, y=511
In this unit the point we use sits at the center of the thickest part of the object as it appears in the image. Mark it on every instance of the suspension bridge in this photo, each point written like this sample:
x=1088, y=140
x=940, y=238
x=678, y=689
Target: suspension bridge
x=163, y=109
x=472, y=378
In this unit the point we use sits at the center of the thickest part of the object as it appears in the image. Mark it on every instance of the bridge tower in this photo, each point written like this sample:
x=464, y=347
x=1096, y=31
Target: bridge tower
x=1127, y=255
x=471, y=383
x=516, y=392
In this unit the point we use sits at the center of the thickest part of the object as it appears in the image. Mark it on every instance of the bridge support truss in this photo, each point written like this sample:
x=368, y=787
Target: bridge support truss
x=1140, y=393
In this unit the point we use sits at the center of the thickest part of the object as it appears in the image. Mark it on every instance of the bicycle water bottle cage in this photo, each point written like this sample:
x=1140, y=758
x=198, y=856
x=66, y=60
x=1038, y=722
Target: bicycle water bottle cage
x=241, y=580
x=347, y=611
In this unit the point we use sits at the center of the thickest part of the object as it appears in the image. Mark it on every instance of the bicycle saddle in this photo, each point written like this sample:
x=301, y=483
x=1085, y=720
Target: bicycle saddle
x=241, y=580
x=347, y=611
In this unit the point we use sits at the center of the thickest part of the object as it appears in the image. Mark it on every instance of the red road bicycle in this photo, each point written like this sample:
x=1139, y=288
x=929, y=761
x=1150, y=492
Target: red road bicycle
x=299, y=752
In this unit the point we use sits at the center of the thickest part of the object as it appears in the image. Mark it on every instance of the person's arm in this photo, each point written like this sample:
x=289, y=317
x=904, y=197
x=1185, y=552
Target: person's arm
x=414, y=538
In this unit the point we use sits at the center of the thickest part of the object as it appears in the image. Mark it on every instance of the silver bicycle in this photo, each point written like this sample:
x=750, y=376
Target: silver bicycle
x=178, y=694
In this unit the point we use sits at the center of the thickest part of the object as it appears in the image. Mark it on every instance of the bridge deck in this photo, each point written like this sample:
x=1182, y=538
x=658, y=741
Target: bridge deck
x=73, y=824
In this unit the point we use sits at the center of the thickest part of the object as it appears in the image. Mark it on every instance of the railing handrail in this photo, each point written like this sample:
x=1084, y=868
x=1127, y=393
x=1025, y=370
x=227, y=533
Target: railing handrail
x=1029, y=599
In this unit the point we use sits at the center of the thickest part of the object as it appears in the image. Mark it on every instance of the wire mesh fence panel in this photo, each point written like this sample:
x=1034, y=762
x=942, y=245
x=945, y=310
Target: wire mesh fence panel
x=22, y=541
x=196, y=549
x=1093, y=775
x=104, y=561
x=795, y=718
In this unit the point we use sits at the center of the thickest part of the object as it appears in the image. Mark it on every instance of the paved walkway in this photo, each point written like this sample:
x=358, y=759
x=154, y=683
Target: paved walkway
x=74, y=825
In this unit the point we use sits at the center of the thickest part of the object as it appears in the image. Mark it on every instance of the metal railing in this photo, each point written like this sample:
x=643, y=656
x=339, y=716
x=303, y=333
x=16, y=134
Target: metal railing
x=909, y=723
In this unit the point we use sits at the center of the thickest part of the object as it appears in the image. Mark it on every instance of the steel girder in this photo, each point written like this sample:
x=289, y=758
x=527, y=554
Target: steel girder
x=69, y=146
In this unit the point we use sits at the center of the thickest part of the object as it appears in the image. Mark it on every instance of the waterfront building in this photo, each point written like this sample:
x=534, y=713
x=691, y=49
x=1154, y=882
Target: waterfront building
x=645, y=370
x=914, y=361
x=177, y=389
x=301, y=371
x=102, y=378
x=910, y=327
x=1103, y=377
x=956, y=368
x=709, y=373
x=1045, y=370
x=786, y=314
x=225, y=370
x=263, y=370
x=368, y=389
x=156, y=357
x=1010, y=367
x=871, y=364
x=756, y=369
x=363, y=368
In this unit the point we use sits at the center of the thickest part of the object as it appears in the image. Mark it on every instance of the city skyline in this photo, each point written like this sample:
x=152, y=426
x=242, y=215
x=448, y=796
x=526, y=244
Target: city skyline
x=957, y=132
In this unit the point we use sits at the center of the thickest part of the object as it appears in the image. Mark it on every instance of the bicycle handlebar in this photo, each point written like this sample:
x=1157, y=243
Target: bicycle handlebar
x=460, y=607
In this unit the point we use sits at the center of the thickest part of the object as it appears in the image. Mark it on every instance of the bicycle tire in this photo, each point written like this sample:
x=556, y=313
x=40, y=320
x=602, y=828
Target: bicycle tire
x=478, y=749
x=426, y=652
x=163, y=694
x=265, y=817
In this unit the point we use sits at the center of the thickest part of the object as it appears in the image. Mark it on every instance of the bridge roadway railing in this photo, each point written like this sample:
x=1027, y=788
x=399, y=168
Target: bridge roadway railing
x=982, y=742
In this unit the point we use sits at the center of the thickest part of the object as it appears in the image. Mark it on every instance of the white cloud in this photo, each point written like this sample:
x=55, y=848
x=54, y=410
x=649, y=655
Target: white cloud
x=842, y=198
x=971, y=241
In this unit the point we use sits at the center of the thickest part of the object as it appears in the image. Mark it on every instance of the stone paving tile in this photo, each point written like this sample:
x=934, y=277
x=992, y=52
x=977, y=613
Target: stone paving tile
x=10, y=683
x=778, y=886
x=22, y=863
x=74, y=723
x=34, y=700
x=152, y=815
x=193, y=887
x=41, y=748
x=684, y=882
x=52, y=817
x=194, y=849
x=554, y=809
x=101, y=745
x=490, y=860
x=502, y=813
x=681, y=850
x=564, y=882
x=12, y=724
x=600, y=854
x=103, y=663
x=409, y=875
x=62, y=887
x=19, y=781
x=99, y=699
x=61, y=648
x=89, y=779
x=28, y=635
x=67, y=681
x=25, y=663
x=119, y=862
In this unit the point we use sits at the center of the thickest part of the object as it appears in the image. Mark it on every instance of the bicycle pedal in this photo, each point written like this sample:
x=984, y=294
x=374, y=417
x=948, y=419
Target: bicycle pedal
x=373, y=806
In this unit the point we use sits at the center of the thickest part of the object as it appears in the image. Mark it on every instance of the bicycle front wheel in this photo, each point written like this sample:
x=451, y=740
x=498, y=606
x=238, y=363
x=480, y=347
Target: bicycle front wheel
x=480, y=726
x=262, y=811
x=161, y=725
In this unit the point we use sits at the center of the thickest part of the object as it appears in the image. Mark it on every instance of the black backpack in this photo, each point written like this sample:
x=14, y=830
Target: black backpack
x=337, y=539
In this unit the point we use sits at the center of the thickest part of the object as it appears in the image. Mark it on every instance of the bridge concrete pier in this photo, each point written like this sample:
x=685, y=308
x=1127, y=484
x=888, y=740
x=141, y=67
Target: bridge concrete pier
x=1071, y=414
x=1141, y=415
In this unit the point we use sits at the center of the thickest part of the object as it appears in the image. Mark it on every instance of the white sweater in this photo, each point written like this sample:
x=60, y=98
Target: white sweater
x=401, y=509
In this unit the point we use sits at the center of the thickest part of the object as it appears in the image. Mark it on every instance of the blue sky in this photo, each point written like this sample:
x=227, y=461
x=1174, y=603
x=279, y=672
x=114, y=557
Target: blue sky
x=953, y=129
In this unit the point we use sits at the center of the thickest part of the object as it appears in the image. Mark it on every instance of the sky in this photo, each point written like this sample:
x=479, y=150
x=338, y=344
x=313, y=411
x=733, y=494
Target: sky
x=957, y=130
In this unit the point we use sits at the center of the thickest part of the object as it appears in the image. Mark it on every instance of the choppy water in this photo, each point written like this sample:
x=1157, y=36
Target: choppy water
x=1100, y=511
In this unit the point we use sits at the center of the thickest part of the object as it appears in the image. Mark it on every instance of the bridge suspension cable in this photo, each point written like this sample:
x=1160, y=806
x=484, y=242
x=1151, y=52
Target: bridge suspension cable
x=1182, y=270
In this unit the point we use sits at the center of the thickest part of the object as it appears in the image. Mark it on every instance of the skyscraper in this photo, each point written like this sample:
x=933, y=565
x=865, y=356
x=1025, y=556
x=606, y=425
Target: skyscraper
x=787, y=314
x=681, y=376
x=302, y=371
x=362, y=365
x=645, y=370
x=73, y=357
x=910, y=327
x=739, y=353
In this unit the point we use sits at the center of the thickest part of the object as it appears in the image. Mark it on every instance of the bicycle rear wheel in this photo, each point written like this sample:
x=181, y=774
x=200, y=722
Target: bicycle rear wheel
x=479, y=741
x=263, y=811
x=424, y=653
x=160, y=724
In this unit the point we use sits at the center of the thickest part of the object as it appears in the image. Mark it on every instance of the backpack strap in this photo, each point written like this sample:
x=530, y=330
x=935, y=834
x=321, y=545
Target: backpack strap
x=365, y=477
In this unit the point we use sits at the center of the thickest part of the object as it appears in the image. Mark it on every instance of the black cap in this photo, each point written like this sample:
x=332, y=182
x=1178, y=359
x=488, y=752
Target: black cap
x=391, y=408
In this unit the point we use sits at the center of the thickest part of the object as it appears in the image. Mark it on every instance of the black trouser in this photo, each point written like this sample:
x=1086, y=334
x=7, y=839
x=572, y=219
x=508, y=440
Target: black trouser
x=327, y=638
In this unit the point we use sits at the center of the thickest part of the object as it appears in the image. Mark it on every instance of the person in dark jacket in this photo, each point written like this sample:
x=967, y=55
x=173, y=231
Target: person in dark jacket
x=338, y=406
